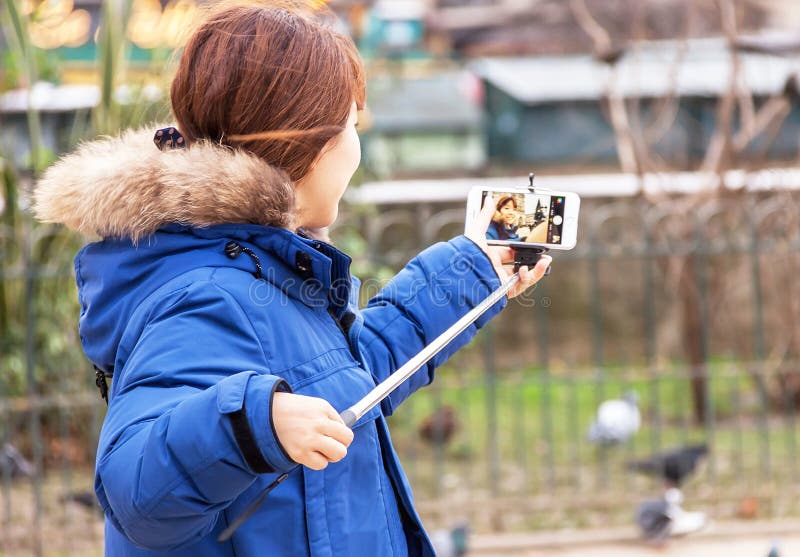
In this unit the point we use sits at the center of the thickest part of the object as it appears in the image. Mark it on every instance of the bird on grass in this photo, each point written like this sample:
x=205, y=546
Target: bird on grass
x=13, y=464
x=674, y=466
x=659, y=519
x=438, y=428
x=617, y=421
x=665, y=517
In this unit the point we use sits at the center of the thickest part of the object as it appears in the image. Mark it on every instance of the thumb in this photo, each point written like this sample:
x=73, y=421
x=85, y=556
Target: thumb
x=476, y=229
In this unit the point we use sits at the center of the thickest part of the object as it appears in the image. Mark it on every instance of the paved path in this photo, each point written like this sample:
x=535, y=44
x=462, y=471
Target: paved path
x=728, y=539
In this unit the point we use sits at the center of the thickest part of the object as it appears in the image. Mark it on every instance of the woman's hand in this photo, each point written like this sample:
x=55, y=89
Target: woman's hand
x=476, y=231
x=310, y=430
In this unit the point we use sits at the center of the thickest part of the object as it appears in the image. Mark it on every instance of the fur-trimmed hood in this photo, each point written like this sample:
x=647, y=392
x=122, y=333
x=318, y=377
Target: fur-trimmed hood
x=125, y=187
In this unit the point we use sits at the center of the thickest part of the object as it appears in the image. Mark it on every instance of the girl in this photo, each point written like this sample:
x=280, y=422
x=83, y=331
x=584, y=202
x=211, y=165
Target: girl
x=504, y=223
x=230, y=327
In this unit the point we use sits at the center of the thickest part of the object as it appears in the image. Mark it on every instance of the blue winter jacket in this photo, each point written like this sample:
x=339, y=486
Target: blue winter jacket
x=201, y=322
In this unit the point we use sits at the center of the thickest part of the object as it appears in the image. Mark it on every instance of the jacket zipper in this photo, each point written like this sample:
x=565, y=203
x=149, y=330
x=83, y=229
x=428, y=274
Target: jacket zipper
x=338, y=324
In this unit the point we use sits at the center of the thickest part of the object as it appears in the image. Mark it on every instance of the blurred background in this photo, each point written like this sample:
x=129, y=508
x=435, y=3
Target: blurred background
x=664, y=351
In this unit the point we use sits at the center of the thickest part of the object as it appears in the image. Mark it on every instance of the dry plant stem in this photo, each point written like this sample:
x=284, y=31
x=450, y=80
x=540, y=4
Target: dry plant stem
x=618, y=115
x=769, y=117
x=718, y=154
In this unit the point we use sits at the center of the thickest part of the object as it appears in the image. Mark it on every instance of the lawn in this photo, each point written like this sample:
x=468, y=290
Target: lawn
x=522, y=440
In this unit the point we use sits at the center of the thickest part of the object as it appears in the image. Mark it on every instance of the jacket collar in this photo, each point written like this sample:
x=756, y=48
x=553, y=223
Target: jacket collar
x=303, y=267
x=125, y=188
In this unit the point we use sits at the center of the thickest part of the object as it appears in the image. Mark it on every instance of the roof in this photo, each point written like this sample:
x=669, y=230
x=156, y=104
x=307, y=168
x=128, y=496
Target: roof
x=400, y=10
x=50, y=98
x=646, y=70
x=445, y=101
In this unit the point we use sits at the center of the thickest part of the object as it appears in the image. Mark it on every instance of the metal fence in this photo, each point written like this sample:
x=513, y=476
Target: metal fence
x=690, y=302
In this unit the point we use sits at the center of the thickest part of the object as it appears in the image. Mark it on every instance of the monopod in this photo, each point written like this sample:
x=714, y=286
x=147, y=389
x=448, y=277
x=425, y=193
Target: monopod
x=524, y=256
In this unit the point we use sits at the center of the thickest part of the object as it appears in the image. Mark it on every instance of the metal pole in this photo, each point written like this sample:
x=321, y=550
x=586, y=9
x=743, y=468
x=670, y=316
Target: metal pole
x=385, y=388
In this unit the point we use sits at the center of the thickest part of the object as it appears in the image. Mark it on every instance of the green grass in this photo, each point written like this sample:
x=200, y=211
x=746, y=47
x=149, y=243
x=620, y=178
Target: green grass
x=520, y=459
x=531, y=443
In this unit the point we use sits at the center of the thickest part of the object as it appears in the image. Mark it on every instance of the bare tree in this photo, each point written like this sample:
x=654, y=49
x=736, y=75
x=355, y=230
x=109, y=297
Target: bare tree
x=728, y=144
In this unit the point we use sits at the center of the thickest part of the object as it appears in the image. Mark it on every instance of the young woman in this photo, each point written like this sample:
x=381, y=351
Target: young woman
x=231, y=330
x=504, y=222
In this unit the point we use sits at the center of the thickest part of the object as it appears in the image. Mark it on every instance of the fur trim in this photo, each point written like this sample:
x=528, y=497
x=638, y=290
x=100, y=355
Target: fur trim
x=125, y=187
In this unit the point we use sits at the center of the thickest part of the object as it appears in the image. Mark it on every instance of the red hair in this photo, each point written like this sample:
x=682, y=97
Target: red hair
x=273, y=81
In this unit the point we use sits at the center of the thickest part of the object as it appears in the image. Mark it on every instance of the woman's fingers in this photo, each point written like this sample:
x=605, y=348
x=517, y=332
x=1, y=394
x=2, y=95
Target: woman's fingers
x=476, y=229
x=504, y=254
x=331, y=449
x=486, y=214
x=538, y=271
x=315, y=460
x=324, y=449
x=309, y=429
x=528, y=277
x=336, y=429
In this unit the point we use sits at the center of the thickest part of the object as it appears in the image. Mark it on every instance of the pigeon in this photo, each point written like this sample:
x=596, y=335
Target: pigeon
x=660, y=519
x=674, y=466
x=85, y=499
x=450, y=543
x=439, y=427
x=13, y=464
x=617, y=421
x=653, y=519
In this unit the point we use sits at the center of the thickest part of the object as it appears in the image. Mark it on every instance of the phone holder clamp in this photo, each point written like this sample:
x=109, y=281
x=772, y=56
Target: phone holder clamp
x=528, y=257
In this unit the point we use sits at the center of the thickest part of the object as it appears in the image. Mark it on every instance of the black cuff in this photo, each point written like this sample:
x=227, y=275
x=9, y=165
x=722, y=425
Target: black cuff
x=283, y=387
x=244, y=434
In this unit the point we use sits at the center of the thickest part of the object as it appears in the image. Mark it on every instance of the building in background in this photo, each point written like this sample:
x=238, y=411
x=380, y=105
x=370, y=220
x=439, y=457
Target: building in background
x=538, y=100
x=430, y=125
x=553, y=111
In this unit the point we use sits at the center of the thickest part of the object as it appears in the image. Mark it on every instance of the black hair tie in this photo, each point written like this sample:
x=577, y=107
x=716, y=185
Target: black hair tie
x=169, y=138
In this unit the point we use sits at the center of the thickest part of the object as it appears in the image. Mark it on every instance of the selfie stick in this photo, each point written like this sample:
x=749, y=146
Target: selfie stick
x=526, y=256
x=385, y=387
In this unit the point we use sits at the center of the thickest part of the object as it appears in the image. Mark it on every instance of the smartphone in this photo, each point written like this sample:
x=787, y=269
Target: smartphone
x=543, y=218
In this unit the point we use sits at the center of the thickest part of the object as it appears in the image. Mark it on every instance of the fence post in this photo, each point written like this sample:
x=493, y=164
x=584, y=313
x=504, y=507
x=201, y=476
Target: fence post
x=28, y=270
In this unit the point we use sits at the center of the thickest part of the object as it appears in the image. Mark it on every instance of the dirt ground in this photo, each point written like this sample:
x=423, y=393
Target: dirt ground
x=686, y=548
x=730, y=539
x=735, y=539
x=70, y=530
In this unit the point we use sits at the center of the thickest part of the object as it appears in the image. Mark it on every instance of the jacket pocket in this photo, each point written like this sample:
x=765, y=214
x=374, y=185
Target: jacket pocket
x=342, y=386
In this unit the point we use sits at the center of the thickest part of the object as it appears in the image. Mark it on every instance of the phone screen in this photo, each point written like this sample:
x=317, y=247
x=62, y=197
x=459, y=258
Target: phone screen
x=526, y=217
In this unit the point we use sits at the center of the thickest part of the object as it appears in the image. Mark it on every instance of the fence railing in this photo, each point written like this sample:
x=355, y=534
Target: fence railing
x=690, y=303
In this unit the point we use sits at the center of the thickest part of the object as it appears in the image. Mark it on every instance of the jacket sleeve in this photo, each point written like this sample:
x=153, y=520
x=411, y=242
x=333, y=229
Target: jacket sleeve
x=426, y=297
x=189, y=424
